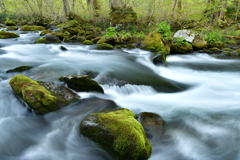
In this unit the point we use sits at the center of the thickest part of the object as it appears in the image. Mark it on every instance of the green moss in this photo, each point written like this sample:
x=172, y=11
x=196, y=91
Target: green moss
x=181, y=48
x=31, y=28
x=12, y=28
x=35, y=95
x=238, y=51
x=153, y=42
x=119, y=133
x=104, y=46
x=4, y=34
x=87, y=42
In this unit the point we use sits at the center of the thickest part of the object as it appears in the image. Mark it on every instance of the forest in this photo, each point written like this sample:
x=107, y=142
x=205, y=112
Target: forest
x=177, y=13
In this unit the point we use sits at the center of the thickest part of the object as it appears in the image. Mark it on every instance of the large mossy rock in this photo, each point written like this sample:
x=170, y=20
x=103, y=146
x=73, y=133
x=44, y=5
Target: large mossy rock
x=118, y=132
x=81, y=83
x=42, y=97
x=123, y=15
x=4, y=34
x=155, y=43
x=32, y=28
x=48, y=38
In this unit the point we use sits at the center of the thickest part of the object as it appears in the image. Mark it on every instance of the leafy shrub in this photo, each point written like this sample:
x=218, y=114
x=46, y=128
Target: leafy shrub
x=110, y=32
x=164, y=28
x=213, y=37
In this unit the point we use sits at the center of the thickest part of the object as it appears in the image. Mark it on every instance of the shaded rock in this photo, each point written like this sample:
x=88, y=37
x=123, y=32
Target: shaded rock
x=152, y=124
x=118, y=132
x=32, y=28
x=104, y=46
x=177, y=48
x=199, y=43
x=4, y=34
x=48, y=38
x=41, y=97
x=82, y=83
x=185, y=34
x=19, y=69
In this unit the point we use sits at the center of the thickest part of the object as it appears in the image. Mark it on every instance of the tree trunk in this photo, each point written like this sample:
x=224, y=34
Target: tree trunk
x=2, y=7
x=66, y=7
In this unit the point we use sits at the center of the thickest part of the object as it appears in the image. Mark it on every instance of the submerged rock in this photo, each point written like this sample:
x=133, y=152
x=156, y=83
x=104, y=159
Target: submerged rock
x=19, y=69
x=152, y=124
x=82, y=83
x=40, y=96
x=118, y=132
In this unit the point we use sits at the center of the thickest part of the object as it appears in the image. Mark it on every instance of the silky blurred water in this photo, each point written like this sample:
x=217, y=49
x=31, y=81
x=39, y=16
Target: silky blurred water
x=199, y=101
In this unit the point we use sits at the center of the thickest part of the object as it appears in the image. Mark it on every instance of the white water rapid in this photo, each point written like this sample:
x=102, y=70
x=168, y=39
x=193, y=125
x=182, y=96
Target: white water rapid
x=200, y=101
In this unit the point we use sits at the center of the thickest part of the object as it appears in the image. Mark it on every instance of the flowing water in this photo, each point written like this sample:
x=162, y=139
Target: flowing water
x=197, y=95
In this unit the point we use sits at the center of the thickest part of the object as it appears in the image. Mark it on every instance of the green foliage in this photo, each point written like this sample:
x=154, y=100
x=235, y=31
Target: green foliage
x=213, y=37
x=110, y=32
x=164, y=29
x=180, y=40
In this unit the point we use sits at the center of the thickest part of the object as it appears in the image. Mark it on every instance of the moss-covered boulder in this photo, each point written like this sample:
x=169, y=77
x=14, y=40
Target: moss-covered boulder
x=32, y=28
x=152, y=123
x=19, y=69
x=178, y=48
x=9, y=23
x=123, y=15
x=81, y=83
x=4, y=34
x=40, y=96
x=155, y=43
x=12, y=28
x=217, y=44
x=48, y=38
x=118, y=132
x=199, y=43
x=104, y=46
x=87, y=42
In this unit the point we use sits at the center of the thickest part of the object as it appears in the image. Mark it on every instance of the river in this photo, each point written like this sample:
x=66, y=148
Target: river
x=202, y=110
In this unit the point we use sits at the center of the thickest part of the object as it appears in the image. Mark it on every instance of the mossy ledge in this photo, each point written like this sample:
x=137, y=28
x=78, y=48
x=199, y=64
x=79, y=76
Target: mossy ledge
x=37, y=96
x=118, y=132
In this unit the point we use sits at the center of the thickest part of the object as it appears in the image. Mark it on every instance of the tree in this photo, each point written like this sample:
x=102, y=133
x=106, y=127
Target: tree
x=66, y=8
